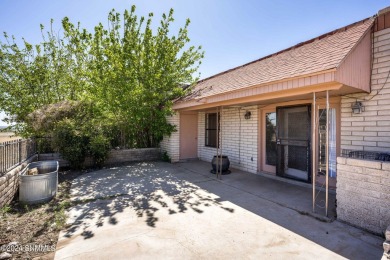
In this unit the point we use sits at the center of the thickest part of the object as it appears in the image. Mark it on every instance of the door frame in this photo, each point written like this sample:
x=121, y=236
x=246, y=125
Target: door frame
x=265, y=167
x=182, y=135
x=308, y=106
x=334, y=102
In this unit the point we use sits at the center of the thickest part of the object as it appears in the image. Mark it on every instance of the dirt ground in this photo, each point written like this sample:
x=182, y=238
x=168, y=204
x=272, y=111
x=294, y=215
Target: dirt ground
x=33, y=230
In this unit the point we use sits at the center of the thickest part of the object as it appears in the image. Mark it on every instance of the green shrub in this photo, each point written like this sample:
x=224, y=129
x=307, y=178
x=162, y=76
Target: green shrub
x=165, y=157
x=70, y=142
x=99, y=146
x=4, y=210
x=44, y=145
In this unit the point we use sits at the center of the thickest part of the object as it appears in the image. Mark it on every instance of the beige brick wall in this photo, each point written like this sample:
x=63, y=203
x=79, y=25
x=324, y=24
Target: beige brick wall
x=114, y=156
x=242, y=153
x=9, y=183
x=171, y=144
x=53, y=156
x=363, y=193
x=133, y=155
x=370, y=130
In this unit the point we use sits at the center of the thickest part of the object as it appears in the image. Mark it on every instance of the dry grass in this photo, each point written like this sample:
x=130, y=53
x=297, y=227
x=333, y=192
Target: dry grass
x=37, y=224
x=7, y=136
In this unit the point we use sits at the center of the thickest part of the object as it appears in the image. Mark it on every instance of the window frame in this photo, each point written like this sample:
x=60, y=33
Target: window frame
x=208, y=129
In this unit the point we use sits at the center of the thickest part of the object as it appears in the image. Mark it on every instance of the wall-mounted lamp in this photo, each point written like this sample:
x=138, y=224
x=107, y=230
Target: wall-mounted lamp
x=357, y=107
x=248, y=115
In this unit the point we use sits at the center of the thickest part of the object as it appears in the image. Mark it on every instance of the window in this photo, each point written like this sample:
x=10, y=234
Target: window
x=211, y=130
x=322, y=142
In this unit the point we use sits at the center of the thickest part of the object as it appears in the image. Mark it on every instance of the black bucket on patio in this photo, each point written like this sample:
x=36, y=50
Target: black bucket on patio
x=225, y=164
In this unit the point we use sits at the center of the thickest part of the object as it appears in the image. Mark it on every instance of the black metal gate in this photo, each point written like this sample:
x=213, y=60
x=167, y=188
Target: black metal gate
x=293, y=142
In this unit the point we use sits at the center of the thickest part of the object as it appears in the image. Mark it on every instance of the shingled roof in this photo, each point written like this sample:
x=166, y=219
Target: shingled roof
x=319, y=54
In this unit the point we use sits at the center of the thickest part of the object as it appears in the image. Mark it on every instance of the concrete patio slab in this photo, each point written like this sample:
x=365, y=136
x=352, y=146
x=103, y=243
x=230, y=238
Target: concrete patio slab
x=160, y=210
x=298, y=197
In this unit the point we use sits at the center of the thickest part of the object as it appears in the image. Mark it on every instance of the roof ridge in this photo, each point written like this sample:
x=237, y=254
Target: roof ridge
x=341, y=29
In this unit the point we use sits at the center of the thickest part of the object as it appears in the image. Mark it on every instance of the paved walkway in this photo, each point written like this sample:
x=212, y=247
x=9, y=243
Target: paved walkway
x=159, y=210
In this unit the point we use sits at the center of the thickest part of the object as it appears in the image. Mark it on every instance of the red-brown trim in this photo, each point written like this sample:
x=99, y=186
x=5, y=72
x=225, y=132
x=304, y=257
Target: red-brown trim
x=256, y=98
x=382, y=21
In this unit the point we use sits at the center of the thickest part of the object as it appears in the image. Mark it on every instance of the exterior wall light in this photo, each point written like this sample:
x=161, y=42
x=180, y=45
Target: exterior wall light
x=248, y=115
x=357, y=108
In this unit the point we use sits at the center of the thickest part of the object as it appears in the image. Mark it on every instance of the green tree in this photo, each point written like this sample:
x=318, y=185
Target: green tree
x=135, y=74
x=131, y=73
x=32, y=76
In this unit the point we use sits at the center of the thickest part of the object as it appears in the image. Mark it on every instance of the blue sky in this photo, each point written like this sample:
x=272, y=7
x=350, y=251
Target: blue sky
x=231, y=32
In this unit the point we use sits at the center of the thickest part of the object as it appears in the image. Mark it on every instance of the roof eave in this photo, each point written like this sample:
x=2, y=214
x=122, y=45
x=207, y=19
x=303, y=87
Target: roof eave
x=322, y=77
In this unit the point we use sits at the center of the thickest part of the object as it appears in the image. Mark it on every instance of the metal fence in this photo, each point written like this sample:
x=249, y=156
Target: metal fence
x=369, y=155
x=15, y=152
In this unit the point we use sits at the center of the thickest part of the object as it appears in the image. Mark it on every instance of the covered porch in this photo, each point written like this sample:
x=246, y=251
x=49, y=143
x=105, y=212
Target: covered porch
x=291, y=194
x=281, y=114
x=276, y=139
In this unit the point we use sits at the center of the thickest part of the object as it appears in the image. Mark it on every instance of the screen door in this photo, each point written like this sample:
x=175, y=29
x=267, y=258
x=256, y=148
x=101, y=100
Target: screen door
x=293, y=142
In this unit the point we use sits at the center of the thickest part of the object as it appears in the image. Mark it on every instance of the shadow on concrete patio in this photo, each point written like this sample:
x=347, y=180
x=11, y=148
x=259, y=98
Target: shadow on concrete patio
x=139, y=186
x=158, y=209
x=259, y=194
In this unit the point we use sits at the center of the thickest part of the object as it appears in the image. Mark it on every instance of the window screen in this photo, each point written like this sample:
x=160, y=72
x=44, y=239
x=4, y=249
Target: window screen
x=211, y=130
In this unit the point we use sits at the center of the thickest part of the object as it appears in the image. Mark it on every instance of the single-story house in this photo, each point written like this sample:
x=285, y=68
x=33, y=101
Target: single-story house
x=316, y=112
